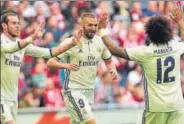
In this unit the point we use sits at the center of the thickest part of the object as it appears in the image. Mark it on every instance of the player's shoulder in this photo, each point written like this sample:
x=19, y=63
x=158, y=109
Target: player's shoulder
x=176, y=44
x=98, y=40
x=141, y=48
x=3, y=39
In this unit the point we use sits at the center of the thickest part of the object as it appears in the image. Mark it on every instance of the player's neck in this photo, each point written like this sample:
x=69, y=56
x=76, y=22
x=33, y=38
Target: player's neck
x=10, y=36
x=86, y=37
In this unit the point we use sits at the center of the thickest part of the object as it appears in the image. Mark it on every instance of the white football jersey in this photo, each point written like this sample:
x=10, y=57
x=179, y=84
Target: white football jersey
x=11, y=62
x=87, y=55
x=161, y=69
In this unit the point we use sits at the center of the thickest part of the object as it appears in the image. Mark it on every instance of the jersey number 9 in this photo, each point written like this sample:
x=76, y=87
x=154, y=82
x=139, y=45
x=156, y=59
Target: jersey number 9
x=81, y=103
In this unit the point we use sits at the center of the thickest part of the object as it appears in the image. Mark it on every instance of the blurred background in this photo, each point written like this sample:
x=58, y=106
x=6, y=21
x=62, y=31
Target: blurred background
x=121, y=101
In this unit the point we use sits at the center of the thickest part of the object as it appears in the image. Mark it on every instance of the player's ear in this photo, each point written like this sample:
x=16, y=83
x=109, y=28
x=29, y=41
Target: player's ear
x=4, y=26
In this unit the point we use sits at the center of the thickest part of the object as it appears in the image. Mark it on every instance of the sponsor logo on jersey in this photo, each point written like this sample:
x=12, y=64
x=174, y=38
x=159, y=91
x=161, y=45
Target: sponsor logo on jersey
x=16, y=62
x=91, y=62
x=12, y=63
x=88, y=63
x=79, y=50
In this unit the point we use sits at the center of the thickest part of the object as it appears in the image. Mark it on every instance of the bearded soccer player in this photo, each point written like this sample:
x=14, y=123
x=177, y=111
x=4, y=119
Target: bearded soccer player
x=160, y=62
x=79, y=85
x=13, y=50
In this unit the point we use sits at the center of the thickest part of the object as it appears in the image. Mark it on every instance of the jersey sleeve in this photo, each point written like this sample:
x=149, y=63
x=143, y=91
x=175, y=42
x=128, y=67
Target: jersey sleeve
x=137, y=54
x=106, y=54
x=35, y=51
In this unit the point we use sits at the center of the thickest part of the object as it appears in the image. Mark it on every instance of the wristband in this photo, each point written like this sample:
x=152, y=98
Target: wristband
x=29, y=40
x=103, y=32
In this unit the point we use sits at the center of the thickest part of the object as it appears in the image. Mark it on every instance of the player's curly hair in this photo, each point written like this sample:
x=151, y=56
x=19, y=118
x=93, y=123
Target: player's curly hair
x=159, y=30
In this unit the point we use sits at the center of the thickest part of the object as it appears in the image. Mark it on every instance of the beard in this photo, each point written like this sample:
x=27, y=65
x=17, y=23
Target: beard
x=89, y=33
x=12, y=34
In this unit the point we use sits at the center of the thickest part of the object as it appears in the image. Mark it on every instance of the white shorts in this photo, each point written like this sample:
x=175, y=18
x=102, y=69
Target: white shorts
x=175, y=117
x=8, y=111
x=78, y=105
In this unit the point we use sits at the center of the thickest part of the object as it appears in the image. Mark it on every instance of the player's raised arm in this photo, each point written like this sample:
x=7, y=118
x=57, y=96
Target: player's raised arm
x=36, y=51
x=64, y=46
x=177, y=16
x=15, y=46
x=114, y=49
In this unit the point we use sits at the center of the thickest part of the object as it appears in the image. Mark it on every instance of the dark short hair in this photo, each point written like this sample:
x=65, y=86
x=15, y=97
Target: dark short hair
x=159, y=30
x=88, y=15
x=4, y=16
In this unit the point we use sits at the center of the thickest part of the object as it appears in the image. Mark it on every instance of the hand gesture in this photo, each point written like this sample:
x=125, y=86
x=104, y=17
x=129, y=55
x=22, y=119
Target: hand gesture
x=114, y=74
x=177, y=14
x=103, y=21
x=72, y=67
x=76, y=38
x=39, y=31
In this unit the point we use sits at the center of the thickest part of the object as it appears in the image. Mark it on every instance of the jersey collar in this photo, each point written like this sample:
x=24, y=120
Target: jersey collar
x=86, y=41
x=6, y=39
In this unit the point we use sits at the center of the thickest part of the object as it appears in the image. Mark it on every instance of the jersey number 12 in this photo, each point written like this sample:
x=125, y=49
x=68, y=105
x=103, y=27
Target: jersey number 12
x=166, y=78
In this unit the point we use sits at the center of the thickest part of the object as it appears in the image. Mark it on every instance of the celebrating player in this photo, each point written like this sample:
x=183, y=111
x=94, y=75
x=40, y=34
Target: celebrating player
x=79, y=85
x=160, y=62
x=13, y=50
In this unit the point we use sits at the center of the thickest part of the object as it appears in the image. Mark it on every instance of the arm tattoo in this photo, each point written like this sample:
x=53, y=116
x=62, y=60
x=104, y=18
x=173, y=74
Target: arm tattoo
x=114, y=49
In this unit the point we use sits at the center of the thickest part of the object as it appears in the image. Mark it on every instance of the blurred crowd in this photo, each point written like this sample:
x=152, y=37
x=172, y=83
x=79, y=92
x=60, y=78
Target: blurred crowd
x=40, y=86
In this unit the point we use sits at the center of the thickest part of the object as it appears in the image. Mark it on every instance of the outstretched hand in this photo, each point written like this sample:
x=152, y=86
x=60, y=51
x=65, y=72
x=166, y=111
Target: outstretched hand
x=103, y=21
x=114, y=74
x=39, y=31
x=76, y=38
x=177, y=14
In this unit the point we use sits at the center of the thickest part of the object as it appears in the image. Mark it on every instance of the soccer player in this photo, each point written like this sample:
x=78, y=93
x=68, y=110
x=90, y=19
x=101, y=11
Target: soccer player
x=79, y=85
x=13, y=50
x=160, y=62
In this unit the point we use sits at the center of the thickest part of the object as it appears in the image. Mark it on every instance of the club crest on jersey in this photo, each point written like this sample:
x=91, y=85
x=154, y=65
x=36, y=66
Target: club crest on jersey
x=79, y=50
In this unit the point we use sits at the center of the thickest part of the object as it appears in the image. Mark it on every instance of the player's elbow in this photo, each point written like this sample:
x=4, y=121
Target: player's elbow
x=50, y=63
x=108, y=61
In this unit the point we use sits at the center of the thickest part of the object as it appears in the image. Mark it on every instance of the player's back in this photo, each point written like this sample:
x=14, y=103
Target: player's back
x=162, y=78
x=161, y=69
